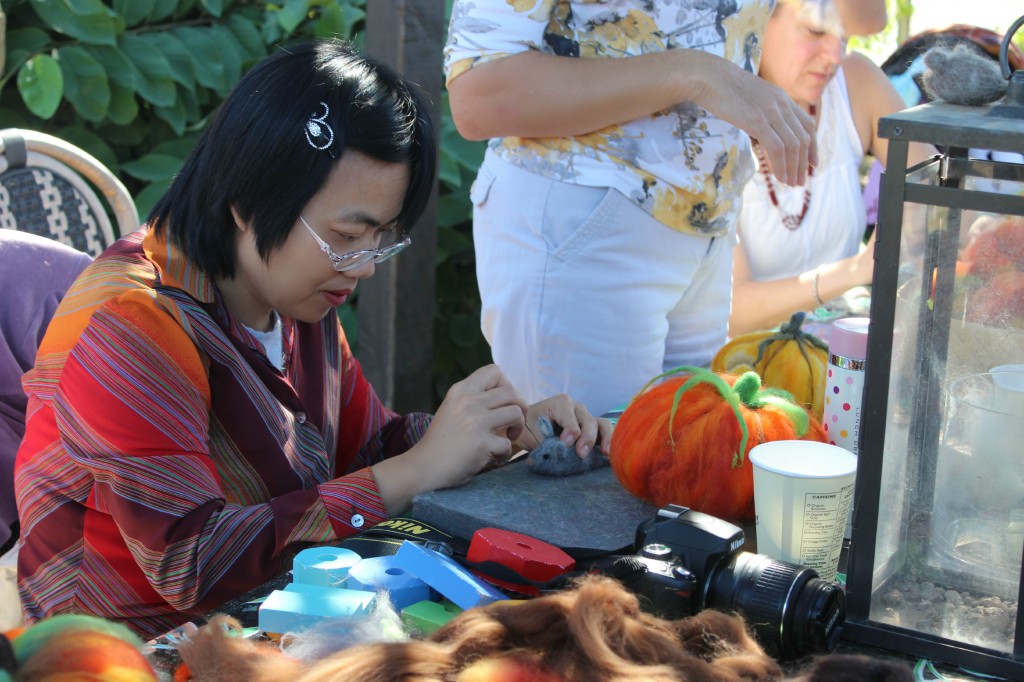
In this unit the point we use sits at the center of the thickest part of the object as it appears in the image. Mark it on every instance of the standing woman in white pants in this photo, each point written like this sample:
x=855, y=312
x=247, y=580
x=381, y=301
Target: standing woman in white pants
x=605, y=209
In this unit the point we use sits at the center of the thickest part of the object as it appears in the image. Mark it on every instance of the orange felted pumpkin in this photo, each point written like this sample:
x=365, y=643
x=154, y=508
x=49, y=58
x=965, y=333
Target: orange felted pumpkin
x=685, y=441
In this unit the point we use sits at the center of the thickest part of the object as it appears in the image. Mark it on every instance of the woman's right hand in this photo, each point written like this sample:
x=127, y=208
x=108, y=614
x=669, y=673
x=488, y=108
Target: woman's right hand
x=765, y=112
x=476, y=424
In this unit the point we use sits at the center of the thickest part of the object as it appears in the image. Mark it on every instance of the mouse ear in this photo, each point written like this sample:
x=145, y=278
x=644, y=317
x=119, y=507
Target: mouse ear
x=546, y=428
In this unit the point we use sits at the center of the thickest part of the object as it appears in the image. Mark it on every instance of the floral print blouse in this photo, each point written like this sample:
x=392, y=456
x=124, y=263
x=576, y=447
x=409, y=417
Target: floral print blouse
x=682, y=165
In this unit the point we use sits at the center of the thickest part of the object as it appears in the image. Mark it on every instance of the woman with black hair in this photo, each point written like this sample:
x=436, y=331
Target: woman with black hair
x=195, y=412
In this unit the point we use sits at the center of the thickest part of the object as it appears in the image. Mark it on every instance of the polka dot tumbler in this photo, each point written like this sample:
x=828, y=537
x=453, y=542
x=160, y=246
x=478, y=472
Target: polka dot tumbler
x=844, y=385
x=844, y=381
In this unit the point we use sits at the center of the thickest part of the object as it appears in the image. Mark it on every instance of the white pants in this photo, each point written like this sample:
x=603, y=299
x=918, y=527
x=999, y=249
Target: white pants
x=584, y=293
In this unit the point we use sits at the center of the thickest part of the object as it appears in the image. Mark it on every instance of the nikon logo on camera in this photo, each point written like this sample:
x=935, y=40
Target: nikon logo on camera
x=404, y=526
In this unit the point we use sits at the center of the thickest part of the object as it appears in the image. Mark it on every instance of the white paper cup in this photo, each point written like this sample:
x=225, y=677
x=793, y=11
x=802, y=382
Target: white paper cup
x=802, y=496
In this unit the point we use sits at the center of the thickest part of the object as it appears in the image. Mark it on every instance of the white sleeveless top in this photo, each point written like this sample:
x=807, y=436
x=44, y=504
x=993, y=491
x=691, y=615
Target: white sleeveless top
x=836, y=216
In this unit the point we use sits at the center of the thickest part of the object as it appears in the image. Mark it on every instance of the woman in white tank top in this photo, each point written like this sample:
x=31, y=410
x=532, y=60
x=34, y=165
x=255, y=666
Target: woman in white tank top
x=799, y=246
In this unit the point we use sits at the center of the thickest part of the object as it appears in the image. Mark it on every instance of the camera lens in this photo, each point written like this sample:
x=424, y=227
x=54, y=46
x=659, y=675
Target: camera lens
x=792, y=611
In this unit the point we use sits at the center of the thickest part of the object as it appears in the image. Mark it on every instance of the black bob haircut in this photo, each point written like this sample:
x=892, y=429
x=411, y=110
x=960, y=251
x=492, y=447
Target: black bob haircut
x=254, y=155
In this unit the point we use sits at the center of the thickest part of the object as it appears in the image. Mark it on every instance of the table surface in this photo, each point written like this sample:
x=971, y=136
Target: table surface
x=245, y=609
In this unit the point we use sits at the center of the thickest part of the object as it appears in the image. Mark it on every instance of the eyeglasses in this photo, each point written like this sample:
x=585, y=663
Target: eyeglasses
x=353, y=259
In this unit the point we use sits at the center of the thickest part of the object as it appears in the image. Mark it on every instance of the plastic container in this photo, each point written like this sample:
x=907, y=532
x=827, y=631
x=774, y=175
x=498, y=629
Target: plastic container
x=844, y=381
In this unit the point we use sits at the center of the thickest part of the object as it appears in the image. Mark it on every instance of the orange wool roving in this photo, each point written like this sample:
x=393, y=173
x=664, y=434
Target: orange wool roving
x=77, y=647
x=685, y=441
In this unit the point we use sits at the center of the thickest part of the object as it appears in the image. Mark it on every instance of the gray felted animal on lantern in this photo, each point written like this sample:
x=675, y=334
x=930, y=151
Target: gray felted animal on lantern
x=554, y=458
x=962, y=76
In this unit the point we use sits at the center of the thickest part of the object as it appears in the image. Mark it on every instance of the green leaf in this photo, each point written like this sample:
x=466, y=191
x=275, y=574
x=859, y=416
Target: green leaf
x=184, y=8
x=452, y=242
x=205, y=56
x=152, y=167
x=291, y=14
x=175, y=116
x=31, y=39
x=189, y=100
x=231, y=54
x=155, y=83
x=183, y=69
x=331, y=22
x=134, y=11
x=85, y=82
x=117, y=66
x=448, y=171
x=214, y=7
x=87, y=20
x=178, y=147
x=132, y=135
x=22, y=43
x=41, y=85
x=162, y=9
x=351, y=15
x=248, y=36
x=467, y=153
x=270, y=29
x=147, y=198
x=123, y=108
x=454, y=208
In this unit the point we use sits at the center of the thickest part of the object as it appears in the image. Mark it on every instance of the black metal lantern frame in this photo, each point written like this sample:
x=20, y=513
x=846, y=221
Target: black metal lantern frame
x=904, y=576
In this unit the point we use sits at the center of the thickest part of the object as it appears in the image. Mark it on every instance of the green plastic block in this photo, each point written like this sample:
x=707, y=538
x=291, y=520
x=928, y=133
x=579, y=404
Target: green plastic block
x=427, y=616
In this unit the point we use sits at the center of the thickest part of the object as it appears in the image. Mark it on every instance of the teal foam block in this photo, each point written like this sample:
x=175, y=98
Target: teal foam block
x=292, y=611
x=425, y=617
x=327, y=566
x=451, y=580
x=588, y=511
x=381, y=573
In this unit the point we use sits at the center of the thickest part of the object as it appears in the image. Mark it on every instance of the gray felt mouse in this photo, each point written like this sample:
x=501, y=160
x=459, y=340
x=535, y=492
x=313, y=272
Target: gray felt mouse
x=554, y=458
x=962, y=76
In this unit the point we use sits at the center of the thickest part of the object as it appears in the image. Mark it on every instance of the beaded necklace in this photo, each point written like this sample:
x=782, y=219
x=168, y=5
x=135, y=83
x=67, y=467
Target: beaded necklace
x=790, y=222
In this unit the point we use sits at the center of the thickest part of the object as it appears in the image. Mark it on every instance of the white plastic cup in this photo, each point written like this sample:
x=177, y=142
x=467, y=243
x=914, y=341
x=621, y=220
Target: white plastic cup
x=802, y=496
x=1009, y=381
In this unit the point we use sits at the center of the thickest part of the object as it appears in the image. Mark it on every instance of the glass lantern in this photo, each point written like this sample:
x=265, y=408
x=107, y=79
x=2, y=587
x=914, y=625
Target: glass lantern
x=935, y=562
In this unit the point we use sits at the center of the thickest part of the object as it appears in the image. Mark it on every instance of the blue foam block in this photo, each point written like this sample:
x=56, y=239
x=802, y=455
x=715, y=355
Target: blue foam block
x=381, y=573
x=315, y=590
x=291, y=611
x=327, y=566
x=450, y=579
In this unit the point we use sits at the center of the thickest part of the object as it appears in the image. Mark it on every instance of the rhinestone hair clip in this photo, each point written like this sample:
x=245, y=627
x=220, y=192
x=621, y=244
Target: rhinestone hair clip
x=319, y=133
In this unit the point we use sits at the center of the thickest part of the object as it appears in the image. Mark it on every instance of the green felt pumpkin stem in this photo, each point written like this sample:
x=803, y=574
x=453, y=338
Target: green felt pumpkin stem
x=701, y=375
x=746, y=390
x=749, y=390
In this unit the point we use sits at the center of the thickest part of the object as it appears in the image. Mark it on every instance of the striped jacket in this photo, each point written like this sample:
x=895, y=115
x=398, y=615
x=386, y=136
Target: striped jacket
x=167, y=465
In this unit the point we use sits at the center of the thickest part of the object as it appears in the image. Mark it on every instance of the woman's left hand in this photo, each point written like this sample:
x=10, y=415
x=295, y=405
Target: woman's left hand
x=577, y=424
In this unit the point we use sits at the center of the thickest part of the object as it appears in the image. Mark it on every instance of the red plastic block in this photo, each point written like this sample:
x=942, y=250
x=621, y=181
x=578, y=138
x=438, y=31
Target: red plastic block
x=529, y=557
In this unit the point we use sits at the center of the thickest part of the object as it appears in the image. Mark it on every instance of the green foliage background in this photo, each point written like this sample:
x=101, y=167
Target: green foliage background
x=133, y=82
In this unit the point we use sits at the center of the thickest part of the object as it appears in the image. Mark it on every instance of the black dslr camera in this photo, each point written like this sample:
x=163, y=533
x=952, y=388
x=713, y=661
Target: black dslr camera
x=687, y=561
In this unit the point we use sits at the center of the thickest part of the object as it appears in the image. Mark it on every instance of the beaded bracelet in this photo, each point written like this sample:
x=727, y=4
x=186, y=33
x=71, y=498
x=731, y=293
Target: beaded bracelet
x=817, y=273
